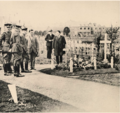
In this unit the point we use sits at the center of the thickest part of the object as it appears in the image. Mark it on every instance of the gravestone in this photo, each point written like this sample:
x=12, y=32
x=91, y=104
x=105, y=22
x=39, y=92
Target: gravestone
x=112, y=62
x=105, y=41
x=13, y=92
x=71, y=65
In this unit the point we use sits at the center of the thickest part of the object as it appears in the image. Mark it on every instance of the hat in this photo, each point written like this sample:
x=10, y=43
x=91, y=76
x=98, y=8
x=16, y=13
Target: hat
x=24, y=28
x=59, y=31
x=50, y=30
x=7, y=24
x=18, y=26
x=30, y=30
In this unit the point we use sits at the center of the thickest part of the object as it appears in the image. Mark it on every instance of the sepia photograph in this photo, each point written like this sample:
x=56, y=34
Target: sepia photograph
x=59, y=56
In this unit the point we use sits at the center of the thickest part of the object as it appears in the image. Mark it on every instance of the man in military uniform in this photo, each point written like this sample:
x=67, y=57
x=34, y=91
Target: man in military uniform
x=5, y=43
x=33, y=48
x=25, y=55
x=17, y=50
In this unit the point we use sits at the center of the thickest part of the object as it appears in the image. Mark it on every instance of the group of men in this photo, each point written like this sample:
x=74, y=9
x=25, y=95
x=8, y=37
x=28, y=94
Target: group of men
x=20, y=45
x=55, y=44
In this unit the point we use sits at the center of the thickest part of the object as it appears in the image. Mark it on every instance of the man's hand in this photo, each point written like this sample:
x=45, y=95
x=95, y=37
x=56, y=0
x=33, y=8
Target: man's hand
x=52, y=50
x=37, y=54
x=50, y=40
x=10, y=50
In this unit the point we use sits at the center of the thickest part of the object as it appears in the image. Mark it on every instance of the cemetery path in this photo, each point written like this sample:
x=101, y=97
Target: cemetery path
x=85, y=95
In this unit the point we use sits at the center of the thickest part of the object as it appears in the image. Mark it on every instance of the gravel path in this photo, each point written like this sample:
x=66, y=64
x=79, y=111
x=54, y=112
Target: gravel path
x=85, y=95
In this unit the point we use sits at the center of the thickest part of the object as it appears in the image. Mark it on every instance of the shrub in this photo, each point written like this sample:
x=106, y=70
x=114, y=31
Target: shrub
x=100, y=57
x=117, y=67
x=117, y=59
x=109, y=57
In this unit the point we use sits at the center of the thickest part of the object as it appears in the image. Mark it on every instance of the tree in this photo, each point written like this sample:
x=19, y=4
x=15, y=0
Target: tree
x=66, y=31
x=97, y=42
x=112, y=33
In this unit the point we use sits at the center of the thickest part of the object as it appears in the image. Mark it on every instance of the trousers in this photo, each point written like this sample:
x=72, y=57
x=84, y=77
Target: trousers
x=26, y=63
x=6, y=63
x=59, y=59
x=17, y=67
x=32, y=60
x=49, y=51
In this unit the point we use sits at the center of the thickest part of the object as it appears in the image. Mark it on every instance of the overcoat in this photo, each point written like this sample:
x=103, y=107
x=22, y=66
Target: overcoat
x=58, y=45
x=5, y=45
x=17, y=49
x=49, y=43
x=33, y=45
x=24, y=43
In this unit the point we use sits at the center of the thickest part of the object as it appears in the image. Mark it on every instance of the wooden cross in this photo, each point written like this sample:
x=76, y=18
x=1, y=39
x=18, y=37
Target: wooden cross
x=92, y=51
x=105, y=41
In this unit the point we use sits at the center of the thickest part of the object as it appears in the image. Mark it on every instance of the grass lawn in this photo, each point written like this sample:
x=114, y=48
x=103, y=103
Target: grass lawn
x=35, y=102
x=108, y=76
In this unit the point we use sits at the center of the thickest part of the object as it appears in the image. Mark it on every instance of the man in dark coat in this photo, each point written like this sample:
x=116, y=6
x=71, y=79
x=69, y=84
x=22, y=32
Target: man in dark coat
x=58, y=46
x=25, y=55
x=49, y=38
x=5, y=43
x=16, y=50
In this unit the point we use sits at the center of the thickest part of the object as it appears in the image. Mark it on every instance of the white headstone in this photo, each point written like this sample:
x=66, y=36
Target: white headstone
x=71, y=65
x=75, y=58
x=13, y=92
x=112, y=62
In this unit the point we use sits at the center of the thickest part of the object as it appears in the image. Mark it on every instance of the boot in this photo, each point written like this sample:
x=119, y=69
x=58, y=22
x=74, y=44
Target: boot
x=26, y=65
x=9, y=68
x=5, y=69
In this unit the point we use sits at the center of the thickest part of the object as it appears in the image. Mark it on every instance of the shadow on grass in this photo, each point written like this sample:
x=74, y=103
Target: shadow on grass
x=107, y=76
x=34, y=101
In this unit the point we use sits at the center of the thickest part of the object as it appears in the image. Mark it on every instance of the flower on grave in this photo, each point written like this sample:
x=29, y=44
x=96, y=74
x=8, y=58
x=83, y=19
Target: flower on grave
x=86, y=62
x=80, y=59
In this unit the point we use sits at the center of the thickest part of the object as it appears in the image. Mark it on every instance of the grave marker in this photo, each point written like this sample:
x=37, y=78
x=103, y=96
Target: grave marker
x=13, y=92
x=71, y=65
x=105, y=47
x=112, y=62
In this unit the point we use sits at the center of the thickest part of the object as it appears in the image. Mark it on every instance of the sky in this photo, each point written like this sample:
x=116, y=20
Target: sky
x=43, y=14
